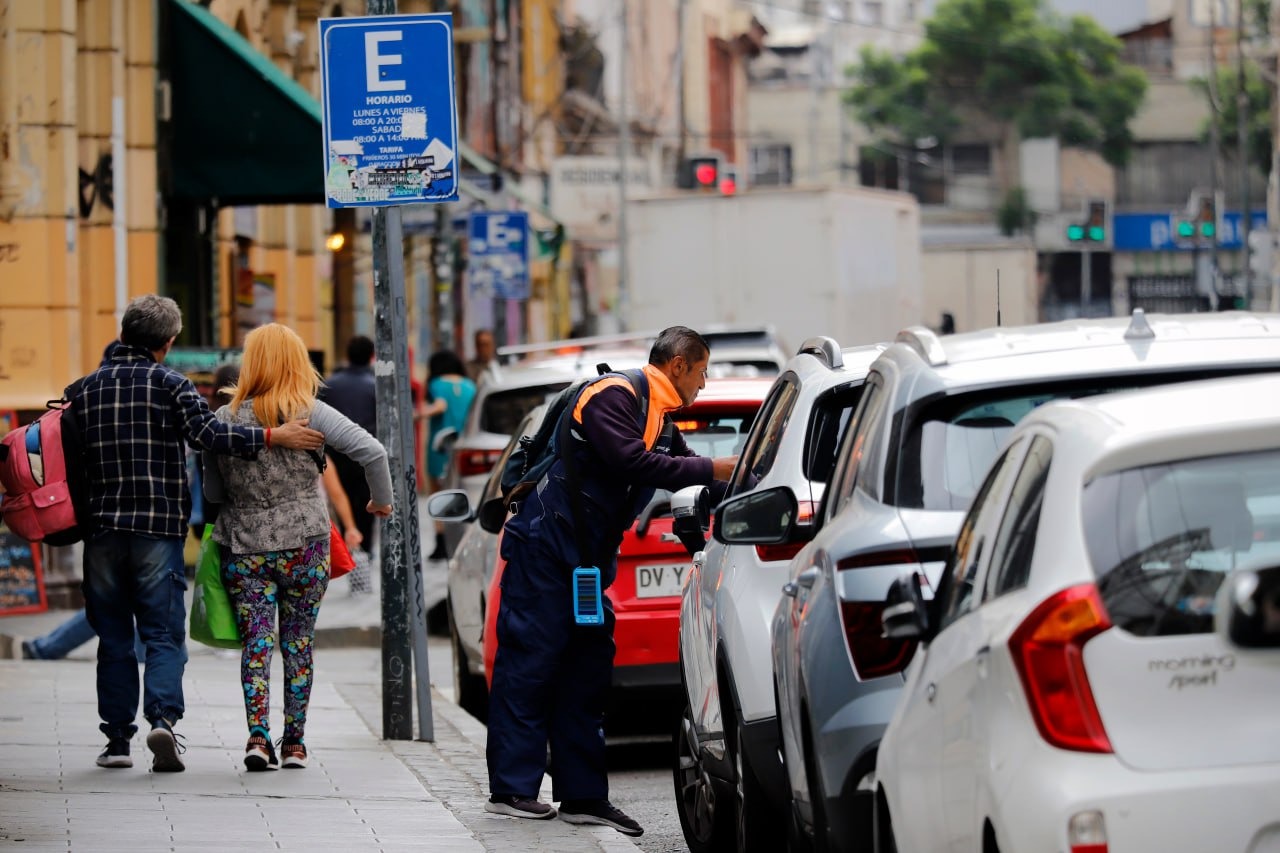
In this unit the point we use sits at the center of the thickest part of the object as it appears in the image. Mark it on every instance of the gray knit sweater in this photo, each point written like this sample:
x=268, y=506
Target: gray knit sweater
x=275, y=503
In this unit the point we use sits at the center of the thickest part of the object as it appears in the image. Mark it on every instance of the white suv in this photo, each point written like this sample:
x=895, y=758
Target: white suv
x=730, y=786
x=1069, y=692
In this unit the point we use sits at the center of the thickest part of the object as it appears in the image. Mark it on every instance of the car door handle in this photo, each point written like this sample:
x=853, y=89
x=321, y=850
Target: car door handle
x=982, y=657
x=808, y=577
x=931, y=692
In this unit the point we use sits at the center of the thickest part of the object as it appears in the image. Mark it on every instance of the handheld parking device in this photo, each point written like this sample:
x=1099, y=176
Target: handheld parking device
x=587, y=607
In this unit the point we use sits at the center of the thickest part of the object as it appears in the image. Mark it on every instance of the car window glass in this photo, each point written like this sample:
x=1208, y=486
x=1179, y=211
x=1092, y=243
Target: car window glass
x=1016, y=539
x=718, y=433
x=502, y=410
x=1162, y=537
x=831, y=415
x=851, y=446
x=762, y=444
x=493, y=485
x=955, y=595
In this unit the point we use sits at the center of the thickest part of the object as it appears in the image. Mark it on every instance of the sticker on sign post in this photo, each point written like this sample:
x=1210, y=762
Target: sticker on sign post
x=390, y=110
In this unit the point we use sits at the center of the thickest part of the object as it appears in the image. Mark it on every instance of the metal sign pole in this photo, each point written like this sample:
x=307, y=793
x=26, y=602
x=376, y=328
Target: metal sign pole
x=403, y=605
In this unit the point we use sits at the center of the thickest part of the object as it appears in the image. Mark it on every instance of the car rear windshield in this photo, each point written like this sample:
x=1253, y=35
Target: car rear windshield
x=953, y=440
x=1162, y=537
x=502, y=411
x=720, y=434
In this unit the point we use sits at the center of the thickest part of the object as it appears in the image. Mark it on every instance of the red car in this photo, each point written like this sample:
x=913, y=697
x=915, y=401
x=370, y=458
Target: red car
x=652, y=564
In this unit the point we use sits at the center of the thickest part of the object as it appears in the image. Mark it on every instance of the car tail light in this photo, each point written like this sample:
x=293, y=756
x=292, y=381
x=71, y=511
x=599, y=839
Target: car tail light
x=787, y=550
x=1048, y=652
x=875, y=656
x=470, y=462
x=1087, y=832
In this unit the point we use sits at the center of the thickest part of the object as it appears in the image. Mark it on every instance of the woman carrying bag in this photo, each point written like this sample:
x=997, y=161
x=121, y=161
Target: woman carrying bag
x=274, y=530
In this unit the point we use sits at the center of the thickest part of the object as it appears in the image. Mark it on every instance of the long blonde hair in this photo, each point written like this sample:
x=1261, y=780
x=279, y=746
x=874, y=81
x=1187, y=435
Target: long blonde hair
x=277, y=374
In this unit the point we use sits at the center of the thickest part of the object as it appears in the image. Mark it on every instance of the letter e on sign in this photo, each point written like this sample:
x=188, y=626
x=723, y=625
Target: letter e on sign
x=373, y=62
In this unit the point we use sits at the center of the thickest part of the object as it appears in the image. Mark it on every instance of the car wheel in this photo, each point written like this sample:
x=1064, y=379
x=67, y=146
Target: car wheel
x=758, y=826
x=705, y=818
x=469, y=689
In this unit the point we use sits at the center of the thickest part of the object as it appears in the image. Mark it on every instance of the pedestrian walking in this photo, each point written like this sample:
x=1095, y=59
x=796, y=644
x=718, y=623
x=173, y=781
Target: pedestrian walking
x=353, y=392
x=69, y=635
x=551, y=675
x=486, y=354
x=273, y=528
x=137, y=416
x=449, y=397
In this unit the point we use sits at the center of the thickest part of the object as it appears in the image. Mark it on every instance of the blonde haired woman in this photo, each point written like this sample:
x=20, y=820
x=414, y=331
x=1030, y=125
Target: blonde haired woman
x=274, y=530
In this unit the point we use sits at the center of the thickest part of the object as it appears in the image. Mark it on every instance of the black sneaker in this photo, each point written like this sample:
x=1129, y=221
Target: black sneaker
x=166, y=747
x=519, y=807
x=116, y=754
x=259, y=754
x=600, y=812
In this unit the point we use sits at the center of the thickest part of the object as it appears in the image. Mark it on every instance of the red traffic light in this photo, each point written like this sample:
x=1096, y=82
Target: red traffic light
x=705, y=174
x=728, y=186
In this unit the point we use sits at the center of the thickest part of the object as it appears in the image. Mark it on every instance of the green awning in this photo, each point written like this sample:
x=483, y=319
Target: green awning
x=242, y=131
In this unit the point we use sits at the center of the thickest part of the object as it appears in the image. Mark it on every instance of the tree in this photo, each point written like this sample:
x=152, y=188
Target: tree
x=1011, y=63
x=1226, y=94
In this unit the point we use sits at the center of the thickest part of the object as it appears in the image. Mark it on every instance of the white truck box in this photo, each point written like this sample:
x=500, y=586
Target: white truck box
x=844, y=262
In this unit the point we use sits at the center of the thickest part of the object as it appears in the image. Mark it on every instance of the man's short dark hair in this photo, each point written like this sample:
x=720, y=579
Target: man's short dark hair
x=678, y=340
x=359, y=351
x=150, y=321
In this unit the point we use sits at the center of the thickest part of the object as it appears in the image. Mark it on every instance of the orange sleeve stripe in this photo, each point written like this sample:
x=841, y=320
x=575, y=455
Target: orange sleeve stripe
x=592, y=390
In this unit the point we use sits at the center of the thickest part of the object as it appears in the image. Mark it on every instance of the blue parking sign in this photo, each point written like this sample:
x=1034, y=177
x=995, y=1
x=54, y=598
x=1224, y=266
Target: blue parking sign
x=390, y=110
x=498, y=254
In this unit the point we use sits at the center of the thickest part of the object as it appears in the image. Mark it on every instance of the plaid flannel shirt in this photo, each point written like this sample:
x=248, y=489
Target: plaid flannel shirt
x=137, y=415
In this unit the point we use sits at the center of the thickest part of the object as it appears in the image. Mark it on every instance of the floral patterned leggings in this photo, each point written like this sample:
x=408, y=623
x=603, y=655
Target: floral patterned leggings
x=296, y=580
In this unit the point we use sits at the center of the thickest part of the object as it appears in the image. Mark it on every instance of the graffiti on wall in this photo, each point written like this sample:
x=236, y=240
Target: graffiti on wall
x=97, y=186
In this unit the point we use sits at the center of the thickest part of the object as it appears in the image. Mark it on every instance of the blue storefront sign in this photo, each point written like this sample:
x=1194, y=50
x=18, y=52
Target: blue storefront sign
x=498, y=254
x=1153, y=232
x=390, y=110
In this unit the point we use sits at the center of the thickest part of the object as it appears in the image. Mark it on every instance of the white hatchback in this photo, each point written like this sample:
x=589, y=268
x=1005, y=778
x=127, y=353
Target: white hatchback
x=1070, y=693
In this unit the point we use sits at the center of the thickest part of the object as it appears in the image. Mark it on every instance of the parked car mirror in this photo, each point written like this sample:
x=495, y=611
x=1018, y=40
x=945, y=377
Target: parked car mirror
x=766, y=517
x=695, y=502
x=492, y=514
x=1247, y=612
x=906, y=616
x=450, y=505
x=443, y=441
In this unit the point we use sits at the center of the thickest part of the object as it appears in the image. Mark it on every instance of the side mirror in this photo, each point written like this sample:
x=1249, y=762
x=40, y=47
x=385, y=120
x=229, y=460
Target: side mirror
x=1247, y=611
x=690, y=517
x=444, y=440
x=693, y=502
x=766, y=517
x=450, y=505
x=905, y=617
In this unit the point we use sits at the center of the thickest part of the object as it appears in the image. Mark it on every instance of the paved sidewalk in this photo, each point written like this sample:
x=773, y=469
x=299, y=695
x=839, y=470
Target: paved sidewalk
x=359, y=793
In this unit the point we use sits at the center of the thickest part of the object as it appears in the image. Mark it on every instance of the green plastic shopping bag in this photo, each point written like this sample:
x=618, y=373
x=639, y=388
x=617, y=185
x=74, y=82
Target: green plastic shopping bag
x=212, y=620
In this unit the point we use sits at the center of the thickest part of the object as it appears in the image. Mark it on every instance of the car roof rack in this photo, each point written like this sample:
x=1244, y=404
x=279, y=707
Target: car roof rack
x=823, y=346
x=925, y=342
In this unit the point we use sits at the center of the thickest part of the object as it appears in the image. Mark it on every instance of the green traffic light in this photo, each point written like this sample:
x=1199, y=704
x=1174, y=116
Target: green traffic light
x=1207, y=229
x=1186, y=229
x=1097, y=233
x=1075, y=233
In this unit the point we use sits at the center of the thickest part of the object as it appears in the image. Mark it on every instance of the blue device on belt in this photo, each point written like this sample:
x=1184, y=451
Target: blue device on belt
x=588, y=609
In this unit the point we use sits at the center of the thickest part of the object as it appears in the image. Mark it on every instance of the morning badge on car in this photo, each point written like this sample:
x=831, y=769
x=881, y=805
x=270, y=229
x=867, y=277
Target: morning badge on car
x=587, y=606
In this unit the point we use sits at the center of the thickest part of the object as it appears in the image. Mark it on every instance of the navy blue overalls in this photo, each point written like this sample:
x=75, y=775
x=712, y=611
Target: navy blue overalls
x=551, y=676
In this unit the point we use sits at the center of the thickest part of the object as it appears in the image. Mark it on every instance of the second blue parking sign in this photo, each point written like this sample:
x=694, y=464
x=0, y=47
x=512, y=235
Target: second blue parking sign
x=390, y=110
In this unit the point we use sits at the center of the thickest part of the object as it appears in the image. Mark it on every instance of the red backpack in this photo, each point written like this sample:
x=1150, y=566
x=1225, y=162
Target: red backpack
x=42, y=471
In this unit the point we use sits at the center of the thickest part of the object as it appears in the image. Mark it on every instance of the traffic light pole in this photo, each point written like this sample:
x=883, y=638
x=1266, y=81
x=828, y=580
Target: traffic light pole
x=1086, y=280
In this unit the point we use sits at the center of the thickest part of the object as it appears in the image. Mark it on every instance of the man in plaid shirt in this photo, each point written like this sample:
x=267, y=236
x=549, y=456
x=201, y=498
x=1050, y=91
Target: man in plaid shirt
x=136, y=415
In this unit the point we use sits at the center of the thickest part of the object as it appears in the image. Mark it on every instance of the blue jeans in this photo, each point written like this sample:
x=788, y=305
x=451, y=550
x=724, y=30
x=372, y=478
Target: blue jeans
x=128, y=578
x=69, y=636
